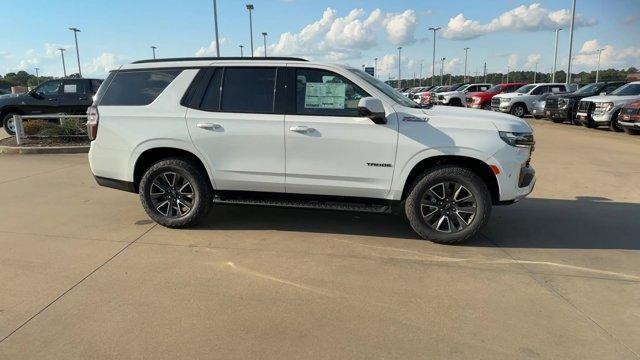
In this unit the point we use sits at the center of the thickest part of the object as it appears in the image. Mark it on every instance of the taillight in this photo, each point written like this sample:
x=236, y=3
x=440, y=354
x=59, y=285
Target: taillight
x=92, y=122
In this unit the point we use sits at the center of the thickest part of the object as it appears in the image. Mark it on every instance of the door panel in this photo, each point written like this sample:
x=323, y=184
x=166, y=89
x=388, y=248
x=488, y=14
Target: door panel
x=48, y=97
x=341, y=156
x=74, y=97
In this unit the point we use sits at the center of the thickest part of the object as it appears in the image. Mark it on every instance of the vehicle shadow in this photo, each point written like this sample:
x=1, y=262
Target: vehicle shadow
x=583, y=223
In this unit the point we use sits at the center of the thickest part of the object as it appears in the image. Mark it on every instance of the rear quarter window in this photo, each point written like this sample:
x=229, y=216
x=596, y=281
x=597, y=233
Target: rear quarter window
x=137, y=88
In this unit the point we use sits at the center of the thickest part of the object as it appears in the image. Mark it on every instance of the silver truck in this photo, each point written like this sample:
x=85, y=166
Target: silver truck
x=457, y=97
x=520, y=102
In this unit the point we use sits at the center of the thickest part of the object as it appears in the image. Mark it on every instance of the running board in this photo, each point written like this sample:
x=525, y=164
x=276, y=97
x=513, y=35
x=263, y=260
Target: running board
x=305, y=204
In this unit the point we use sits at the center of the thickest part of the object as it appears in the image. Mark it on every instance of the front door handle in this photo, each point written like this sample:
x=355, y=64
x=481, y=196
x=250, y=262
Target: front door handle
x=208, y=126
x=301, y=129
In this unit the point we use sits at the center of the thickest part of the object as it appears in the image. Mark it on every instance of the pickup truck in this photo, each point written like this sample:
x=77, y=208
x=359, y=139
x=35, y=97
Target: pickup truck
x=564, y=107
x=67, y=96
x=457, y=96
x=520, y=102
x=482, y=99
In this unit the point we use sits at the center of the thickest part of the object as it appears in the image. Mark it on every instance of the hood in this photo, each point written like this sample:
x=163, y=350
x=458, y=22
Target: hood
x=474, y=119
x=510, y=95
x=11, y=98
x=480, y=94
x=612, y=98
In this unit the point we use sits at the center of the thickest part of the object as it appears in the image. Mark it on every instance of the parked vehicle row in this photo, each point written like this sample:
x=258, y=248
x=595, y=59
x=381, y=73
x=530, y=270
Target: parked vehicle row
x=604, y=110
x=521, y=101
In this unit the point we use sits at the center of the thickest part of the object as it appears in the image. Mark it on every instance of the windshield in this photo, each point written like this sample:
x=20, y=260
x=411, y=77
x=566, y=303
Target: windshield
x=629, y=89
x=462, y=88
x=495, y=89
x=385, y=88
x=525, y=89
x=589, y=89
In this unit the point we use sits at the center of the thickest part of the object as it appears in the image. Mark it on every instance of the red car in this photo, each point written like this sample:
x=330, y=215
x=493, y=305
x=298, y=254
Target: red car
x=482, y=100
x=629, y=118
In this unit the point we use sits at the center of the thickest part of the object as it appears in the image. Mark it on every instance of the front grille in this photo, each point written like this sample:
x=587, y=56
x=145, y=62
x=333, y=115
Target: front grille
x=585, y=106
x=440, y=97
x=551, y=104
x=495, y=102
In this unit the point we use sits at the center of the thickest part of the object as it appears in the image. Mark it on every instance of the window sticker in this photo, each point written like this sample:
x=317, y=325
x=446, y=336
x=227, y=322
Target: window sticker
x=70, y=88
x=324, y=95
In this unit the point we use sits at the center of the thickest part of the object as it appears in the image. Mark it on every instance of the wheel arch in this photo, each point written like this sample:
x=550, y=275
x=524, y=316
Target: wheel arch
x=524, y=104
x=152, y=155
x=10, y=109
x=479, y=167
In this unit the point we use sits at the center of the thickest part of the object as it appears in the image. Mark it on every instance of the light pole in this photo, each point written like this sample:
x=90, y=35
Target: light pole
x=399, y=63
x=64, y=67
x=555, y=57
x=598, y=67
x=75, y=35
x=420, y=79
x=37, y=76
x=241, y=53
x=264, y=37
x=442, y=70
x=250, y=8
x=215, y=25
x=153, y=49
x=375, y=67
x=573, y=17
x=485, y=71
x=465, y=63
x=433, y=61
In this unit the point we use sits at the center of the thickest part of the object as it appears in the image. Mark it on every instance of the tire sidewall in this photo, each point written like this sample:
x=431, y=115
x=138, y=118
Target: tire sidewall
x=462, y=176
x=514, y=112
x=5, y=122
x=202, y=193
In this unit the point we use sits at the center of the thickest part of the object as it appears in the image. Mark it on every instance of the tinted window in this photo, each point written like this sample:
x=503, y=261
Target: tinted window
x=611, y=87
x=50, y=88
x=211, y=98
x=137, y=88
x=320, y=92
x=540, y=90
x=73, y=87
x=248, y=90
x=629, y=89
x=95, y=84
x=556, y=89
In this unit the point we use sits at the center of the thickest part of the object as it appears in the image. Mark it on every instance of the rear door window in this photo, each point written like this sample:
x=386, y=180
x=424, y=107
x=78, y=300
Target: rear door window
x=73, y=87
x=556, y=89
x=540, y=90
x=137, y=88
x=248, y=90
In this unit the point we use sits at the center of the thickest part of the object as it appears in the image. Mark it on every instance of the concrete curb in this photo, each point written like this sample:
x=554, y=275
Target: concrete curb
x=23, y=150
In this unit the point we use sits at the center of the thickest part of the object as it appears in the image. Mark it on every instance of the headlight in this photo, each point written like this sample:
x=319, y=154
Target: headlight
x=607, y=106
x=505, y=100
x=517, y=139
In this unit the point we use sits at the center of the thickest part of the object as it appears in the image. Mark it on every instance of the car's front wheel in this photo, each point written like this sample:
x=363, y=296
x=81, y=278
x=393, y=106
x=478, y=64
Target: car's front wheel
x=8, y=124
x=175, y=193
x=448, y=205
x=486, y=106
x=518, y=110
x=614, y=125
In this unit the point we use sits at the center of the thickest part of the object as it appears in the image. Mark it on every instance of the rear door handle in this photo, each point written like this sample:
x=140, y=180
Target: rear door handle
x=208, y=126
x=301, y=129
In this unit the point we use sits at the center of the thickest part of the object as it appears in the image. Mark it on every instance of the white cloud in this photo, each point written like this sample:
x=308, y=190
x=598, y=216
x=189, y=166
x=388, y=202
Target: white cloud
x=401, y=27
x=452, y=65
x=100, y=65
x=52, y=50
x=211, y=49
x=512, y=61
x=335, y=38
x=523, y=18
x=532, y=59
x=610, y=56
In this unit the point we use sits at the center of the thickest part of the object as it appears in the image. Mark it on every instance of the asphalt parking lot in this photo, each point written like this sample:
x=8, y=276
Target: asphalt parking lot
x=85, y=274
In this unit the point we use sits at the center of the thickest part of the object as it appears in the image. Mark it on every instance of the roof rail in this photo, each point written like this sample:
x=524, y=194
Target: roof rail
x=219, y=59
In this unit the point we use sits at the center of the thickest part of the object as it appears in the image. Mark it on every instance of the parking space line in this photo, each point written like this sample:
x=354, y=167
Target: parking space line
x=558, y=295
x=78, y=283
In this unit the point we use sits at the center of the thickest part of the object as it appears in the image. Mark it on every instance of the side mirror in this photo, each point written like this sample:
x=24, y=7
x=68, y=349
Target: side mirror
x=373, y=109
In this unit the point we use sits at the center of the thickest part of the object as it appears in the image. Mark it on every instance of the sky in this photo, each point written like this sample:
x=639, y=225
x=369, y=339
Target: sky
x=502, y=33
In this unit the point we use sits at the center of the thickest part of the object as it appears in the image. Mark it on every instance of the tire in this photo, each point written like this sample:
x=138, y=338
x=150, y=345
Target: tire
x=632, y=131
x=558, y=121
x=455, y=102
x=518, y=110
x=613, y=124
x=7, y=123
x=589, y=125
x=537, y=117
x=431, y=187
x=159, y=186
x=486, y=106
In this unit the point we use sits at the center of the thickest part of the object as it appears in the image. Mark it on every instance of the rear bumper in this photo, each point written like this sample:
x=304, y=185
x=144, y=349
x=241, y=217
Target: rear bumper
x=116, y=184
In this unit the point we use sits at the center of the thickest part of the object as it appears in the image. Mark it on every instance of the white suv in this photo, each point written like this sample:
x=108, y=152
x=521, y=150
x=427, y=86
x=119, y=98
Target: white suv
x=457, y=97
x=520, y=102
x=189, y=133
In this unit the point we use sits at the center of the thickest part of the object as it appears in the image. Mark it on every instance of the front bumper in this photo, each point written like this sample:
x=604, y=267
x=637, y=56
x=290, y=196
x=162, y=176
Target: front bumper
x=602, y=119
x=629, y=125
x=503, y=107
x=516, y=178
x=557, y=114
x=537, y=112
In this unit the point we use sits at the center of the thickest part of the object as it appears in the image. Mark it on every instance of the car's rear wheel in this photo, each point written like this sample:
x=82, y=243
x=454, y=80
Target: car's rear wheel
x=448, y=205
x=518, y=110
x=558, y=121
x=8, y=124
x=175, y=193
